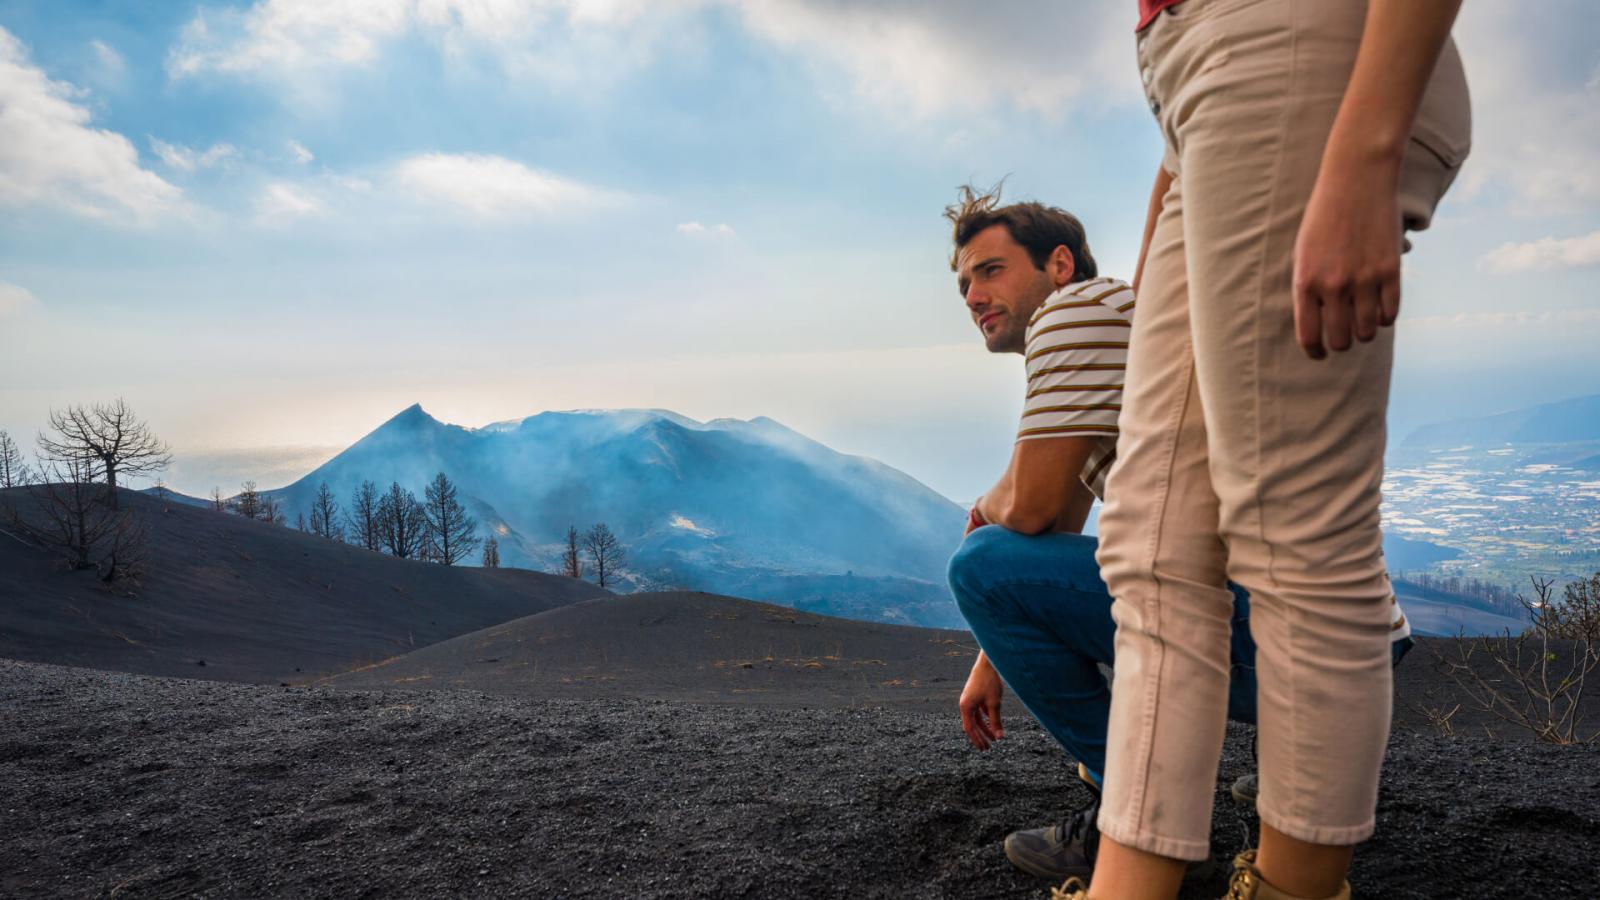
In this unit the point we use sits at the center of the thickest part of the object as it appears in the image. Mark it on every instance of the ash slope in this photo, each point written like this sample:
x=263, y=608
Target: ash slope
x=145, y=787
x=711, y=649
x=683, y=645
x=256, y=602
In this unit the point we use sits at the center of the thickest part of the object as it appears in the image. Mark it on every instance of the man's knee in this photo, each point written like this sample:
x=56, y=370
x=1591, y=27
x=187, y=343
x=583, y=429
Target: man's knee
x=973, y=560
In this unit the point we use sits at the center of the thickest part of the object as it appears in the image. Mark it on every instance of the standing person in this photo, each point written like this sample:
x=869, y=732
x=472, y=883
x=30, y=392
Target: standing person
x=1025, y=577
x=1302, y=139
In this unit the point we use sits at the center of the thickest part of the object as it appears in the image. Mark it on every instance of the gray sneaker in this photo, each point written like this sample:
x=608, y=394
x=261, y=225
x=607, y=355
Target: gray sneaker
x=1245, y=791
x=1061, y=851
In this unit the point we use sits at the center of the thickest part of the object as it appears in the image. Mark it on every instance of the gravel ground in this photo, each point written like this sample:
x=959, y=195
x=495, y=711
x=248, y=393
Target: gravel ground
x=122, y=785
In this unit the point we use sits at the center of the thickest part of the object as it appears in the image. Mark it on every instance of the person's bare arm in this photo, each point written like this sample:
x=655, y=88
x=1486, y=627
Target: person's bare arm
x=1040, y=486
x=1163, y=182
x=1347, y=255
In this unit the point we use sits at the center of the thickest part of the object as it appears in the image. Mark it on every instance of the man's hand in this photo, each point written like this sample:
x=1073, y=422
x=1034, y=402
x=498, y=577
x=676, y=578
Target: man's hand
x=980, y=704
x=1347, y=257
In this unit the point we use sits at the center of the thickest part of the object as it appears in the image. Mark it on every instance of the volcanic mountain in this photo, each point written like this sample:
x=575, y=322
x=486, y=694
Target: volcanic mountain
x=750, y=508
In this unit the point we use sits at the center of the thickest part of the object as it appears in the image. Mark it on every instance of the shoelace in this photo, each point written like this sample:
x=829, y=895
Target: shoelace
x=1071, y=889
x=1078, y=824
x=1242, y=886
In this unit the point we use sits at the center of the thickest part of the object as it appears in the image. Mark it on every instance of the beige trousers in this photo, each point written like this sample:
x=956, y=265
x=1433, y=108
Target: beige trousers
x=1241, y=458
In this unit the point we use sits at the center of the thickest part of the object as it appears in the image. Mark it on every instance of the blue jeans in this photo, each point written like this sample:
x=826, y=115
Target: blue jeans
x=1042, y=615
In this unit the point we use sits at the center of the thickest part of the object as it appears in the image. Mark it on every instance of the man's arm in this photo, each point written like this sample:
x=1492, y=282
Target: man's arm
x=1041, y=489
x=1347, y=255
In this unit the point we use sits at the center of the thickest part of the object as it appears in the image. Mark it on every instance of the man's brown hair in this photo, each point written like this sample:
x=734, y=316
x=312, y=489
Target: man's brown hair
x=1038, y=228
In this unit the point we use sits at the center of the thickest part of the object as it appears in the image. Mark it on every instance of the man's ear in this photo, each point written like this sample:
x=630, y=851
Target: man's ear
x=1061, y=266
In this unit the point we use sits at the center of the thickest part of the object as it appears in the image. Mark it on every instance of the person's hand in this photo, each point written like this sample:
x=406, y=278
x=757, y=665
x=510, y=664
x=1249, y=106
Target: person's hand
x=975, y=520
x=980, y=705
x=1347, y=258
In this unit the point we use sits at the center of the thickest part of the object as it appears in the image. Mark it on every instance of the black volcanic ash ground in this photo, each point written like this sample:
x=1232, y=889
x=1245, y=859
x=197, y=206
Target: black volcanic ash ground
x=132, y=786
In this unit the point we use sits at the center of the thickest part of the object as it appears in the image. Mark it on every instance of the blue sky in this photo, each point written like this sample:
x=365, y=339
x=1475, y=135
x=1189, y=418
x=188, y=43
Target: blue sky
x=270, y=225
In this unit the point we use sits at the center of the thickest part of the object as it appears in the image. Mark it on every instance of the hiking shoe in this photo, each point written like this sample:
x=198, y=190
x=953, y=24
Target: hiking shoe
x=1062, y=851
x=1247, y=883
x=1245, y=791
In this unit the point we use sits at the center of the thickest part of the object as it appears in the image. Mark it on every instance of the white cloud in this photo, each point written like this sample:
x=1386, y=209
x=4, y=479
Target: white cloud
x=493, y=187
x=697, y=229
x=16, y=301
x=300, y=153
x=186, y=159
x=1545, y=253
x=911, y=56
x=1536, y=115
x=49, y=155
x=281, y=202
x=285, y=35
x=1503, y=320
x=930, y=58
x=110, y=61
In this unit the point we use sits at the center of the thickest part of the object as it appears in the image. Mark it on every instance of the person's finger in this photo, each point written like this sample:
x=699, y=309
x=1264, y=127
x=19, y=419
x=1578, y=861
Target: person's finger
x=1336, y=321
x=1389, y=301
x=970, y=726
x=1308, y=321
x=999, y=727
x=1368, y=309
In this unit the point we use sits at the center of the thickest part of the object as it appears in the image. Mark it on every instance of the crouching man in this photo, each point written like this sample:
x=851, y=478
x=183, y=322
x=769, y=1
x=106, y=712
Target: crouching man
x=1025, y=577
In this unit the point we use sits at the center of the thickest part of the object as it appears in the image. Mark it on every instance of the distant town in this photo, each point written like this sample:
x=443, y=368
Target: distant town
x=1511, y=512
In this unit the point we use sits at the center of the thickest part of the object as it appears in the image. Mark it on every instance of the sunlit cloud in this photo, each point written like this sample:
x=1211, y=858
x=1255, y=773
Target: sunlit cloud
x=1545, y=253
x=299, y=152
x=493, y=187
x=281, y=202
x=697, y=229
x=186, y=159
x=16, y=301
x=111, y=63
x=51, y=156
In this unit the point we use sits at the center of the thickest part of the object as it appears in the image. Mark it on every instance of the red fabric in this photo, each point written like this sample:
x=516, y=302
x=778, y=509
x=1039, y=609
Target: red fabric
x=1149, y=9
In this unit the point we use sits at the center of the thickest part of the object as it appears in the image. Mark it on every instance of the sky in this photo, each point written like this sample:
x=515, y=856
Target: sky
x=271, y=225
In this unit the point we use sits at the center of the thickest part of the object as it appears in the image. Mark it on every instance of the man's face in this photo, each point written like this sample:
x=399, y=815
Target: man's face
x=1002, y=287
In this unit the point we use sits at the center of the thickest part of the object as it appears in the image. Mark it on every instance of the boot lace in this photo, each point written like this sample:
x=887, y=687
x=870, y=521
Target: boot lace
x=1243, y=884
x=1071, y=889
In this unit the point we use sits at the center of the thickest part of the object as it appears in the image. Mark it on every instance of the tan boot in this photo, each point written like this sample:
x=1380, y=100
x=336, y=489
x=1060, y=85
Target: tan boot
x=1247, y=883
x=1071, y=889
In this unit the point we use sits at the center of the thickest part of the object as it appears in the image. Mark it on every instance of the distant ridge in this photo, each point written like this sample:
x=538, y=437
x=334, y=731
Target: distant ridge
x=1564, y=421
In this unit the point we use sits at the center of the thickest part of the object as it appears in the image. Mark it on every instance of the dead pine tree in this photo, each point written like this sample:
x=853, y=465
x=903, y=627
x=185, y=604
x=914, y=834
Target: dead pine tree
x=402, y=524
x=13, y=471
x=606, y=553
x=108, y=437
x=76, y=521
x=362, y=517
x=571, y=560
x=247, y=502
x=491, y=553
x=451, y=533
x=325, y=515
x=218, y=502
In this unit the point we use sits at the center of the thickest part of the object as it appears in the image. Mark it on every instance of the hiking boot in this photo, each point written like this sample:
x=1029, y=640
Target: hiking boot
x=1067, y=850
x=1062, y=851
x=1247, y=883
x=1245, y=791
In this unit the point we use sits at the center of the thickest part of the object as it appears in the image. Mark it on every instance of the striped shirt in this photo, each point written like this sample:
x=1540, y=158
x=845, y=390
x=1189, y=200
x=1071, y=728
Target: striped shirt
x=1077, y=350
